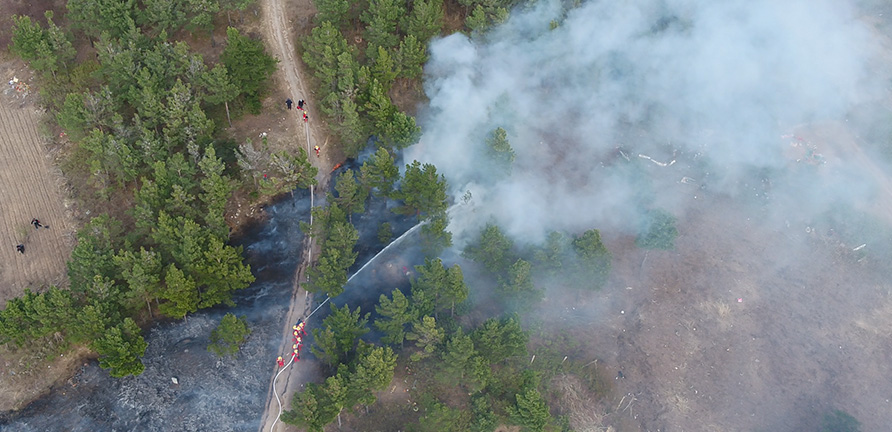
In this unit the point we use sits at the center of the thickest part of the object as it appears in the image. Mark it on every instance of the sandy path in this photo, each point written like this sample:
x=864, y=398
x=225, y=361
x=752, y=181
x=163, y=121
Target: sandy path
x=28, y=189
x=279, y=34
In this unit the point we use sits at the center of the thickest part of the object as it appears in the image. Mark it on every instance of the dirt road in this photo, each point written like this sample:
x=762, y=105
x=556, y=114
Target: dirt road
x=279, y=34
x=29, y=188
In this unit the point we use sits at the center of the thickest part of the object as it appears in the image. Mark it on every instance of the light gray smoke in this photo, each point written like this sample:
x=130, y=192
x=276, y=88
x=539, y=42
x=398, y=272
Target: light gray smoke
x=598, y=109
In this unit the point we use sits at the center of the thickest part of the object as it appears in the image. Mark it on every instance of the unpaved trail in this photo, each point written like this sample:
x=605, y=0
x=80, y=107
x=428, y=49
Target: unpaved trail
x=29, y=189
x=279, y=34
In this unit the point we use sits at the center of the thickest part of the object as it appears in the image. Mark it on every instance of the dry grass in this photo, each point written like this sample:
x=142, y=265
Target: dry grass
x=579, y=403
x=29, y=373
x=718, y=310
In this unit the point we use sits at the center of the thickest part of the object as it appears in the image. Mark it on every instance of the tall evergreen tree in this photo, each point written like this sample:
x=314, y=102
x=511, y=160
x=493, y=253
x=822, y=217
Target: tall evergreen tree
x=395, y=314
x=249, y=66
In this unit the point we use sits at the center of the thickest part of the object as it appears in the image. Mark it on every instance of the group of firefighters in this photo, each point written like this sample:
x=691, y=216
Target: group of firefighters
x=300, y=106
x=299, y=333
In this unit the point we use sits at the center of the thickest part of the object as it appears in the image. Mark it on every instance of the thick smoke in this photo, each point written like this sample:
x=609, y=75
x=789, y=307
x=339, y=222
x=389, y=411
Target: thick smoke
x=595, y=108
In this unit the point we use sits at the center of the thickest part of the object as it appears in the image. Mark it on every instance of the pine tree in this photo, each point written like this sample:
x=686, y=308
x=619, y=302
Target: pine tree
x=458, y=353
x=180, y=293
x=427, y=336
x=411, y=56
x=395, y=314
x=426, y=20
x=423, y=191
x=120, y=349
x=382, y=18
x=229, y=335
x=249, y=66
x=379, y=172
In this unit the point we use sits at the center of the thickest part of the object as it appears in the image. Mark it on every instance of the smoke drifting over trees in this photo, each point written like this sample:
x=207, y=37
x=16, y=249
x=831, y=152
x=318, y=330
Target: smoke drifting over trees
x=598, y=108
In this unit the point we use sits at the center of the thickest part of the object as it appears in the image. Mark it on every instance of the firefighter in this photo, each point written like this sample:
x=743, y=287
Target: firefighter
x=317, y=150
x=288, y=103
x=280, y=362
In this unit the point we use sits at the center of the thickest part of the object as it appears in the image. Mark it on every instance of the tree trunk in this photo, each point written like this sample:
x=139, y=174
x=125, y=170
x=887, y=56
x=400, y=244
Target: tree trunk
x=149, y=305
x=226, y=104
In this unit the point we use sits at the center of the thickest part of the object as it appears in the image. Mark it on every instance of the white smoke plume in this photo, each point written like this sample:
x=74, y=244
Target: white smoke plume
x=598, y=109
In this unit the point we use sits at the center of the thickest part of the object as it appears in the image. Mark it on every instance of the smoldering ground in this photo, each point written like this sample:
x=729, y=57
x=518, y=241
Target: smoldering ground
x=715, y=87
x=760, y=125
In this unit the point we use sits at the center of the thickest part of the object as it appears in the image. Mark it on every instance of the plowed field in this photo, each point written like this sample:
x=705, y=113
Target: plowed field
x=29, y=188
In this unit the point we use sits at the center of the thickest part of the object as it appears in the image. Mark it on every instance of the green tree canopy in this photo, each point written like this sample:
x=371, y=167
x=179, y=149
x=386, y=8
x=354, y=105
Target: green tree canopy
x=342, y=329
x=395, y=314
x=493, y=249
x=422, y=191
x=458, y=354
x=530, y=410
x=425, y=21
x=500, y=150
x=501, y=339
x=120, y=349
x=229, y=335
x=594, y=259
x=351, y=196
x=657, y=231
x=427, y=336
x=249, y=66
x=381, y=19
x=437, y=287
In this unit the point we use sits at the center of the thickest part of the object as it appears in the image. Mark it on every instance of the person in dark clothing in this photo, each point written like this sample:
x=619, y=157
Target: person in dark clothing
x=300, y=104
x=288, y=103
x=20, y=248
x=36, y=223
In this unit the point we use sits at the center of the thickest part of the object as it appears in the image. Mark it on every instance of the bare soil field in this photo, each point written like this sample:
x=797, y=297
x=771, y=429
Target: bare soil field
x=30, y=187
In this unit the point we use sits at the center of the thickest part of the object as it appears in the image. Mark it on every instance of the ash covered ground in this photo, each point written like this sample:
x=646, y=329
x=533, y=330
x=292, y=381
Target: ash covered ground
x=213, y=394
